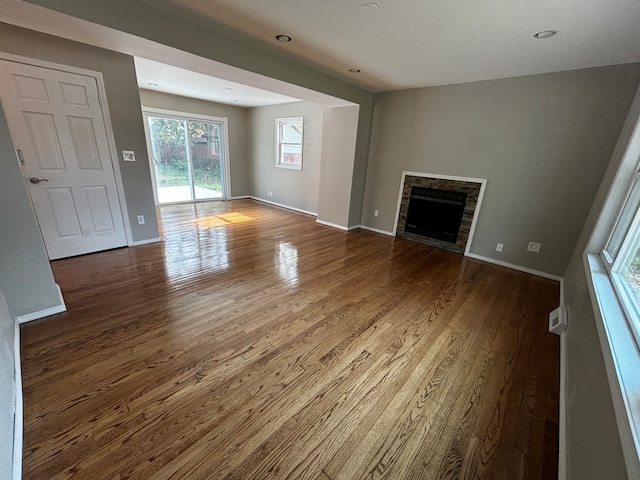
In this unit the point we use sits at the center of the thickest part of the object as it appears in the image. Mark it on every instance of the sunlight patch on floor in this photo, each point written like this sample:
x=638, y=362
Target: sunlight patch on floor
x=222, y=219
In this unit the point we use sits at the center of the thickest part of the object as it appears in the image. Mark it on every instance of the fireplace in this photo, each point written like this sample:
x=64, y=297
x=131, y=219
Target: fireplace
x=439, y=210
x=435, y=213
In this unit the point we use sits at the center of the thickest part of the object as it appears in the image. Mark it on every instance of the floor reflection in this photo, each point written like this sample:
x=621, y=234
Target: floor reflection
x=201, y=247
x=287, y=263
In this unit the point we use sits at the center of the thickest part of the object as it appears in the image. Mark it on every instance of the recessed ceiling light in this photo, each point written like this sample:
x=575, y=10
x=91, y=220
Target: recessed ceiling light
x=368, y=7
x=354, y=70
x=151, y=84
x=283, y=38
x=546, y=34
x=228, y=88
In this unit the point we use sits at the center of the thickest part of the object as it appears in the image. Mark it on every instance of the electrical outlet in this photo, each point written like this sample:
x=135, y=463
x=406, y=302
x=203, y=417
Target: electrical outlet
x=534, y=247
x=499, y=247
x=269, y=193
x=375, y=213
x=140, y=219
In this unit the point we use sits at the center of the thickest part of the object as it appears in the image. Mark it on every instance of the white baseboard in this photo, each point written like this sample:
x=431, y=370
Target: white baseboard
x=377, y=230
x=306, y=212
x=333, y=225
x=240, y=197
x=146, y=242
x=562, y=414
x=46, y=312
x=494, y=261
x=562, y=407
x=516, y=267
x=18, y=415
x=41, y=314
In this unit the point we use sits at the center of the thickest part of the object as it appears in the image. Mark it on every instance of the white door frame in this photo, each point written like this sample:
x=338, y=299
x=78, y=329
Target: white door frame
x=180, y=115
x=102, y=94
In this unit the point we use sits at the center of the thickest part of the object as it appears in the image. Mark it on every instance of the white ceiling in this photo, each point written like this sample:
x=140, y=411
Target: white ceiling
x=401, y=44
x=179, y=81
x=35, y=17
x=415, y=43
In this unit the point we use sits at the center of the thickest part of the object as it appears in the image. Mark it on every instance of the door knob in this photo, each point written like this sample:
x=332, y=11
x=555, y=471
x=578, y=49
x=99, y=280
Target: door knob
x=38, y=180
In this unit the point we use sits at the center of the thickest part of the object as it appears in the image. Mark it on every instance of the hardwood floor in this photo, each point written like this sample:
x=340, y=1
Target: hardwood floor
x=254, y=343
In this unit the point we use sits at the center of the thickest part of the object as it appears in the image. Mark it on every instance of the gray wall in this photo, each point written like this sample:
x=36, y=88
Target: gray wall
x=293, y=188
x=124, y=105
x=237, y=126
x=8, y=390
x=593, y=443
x=338, y=165
x=25, y=274
x=163, y=28
x=541, y=141
x=360, y=162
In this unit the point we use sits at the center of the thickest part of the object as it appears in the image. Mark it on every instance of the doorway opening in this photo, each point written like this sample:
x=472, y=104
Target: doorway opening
x=188, y=157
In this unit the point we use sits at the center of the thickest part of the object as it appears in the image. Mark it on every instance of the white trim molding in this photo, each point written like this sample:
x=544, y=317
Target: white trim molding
x=562, y=413
x=377, y=230
x=621, y=359
x=512, y=266
x=18, y=421
x=333, y=225
x=563, y=392
x=28, y=317
x=258, y=199
x=472, y=229
x=146, y=242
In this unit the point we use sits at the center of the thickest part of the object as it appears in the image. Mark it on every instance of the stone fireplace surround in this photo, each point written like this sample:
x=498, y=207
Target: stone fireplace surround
x=473, y=187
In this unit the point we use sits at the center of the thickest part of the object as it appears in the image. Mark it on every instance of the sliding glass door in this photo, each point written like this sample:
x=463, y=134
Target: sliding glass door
x=206, y=159
x=187, y=157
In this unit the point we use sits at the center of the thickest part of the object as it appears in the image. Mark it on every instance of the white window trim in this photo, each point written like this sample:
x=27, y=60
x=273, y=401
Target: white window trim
x=620, y=351
x=622, y=360
x=279, y=121
x=625, y=255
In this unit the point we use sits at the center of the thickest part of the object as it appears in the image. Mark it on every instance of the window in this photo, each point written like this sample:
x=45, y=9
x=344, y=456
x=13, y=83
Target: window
x=621, y=256
x=612, y=264
x=289, y=135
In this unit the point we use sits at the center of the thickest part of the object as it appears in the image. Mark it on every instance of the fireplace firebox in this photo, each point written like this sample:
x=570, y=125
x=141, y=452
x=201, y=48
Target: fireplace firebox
x=435, y=213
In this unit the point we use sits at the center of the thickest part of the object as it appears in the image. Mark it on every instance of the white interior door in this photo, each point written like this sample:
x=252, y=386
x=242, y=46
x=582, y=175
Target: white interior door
x=56, y=122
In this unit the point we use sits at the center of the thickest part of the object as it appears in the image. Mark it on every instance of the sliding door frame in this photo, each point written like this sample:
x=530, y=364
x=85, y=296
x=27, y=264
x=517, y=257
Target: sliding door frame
x=187, y=116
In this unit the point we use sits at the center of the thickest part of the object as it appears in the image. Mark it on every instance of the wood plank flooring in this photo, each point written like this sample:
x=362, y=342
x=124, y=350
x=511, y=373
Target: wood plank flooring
x=254, y=344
